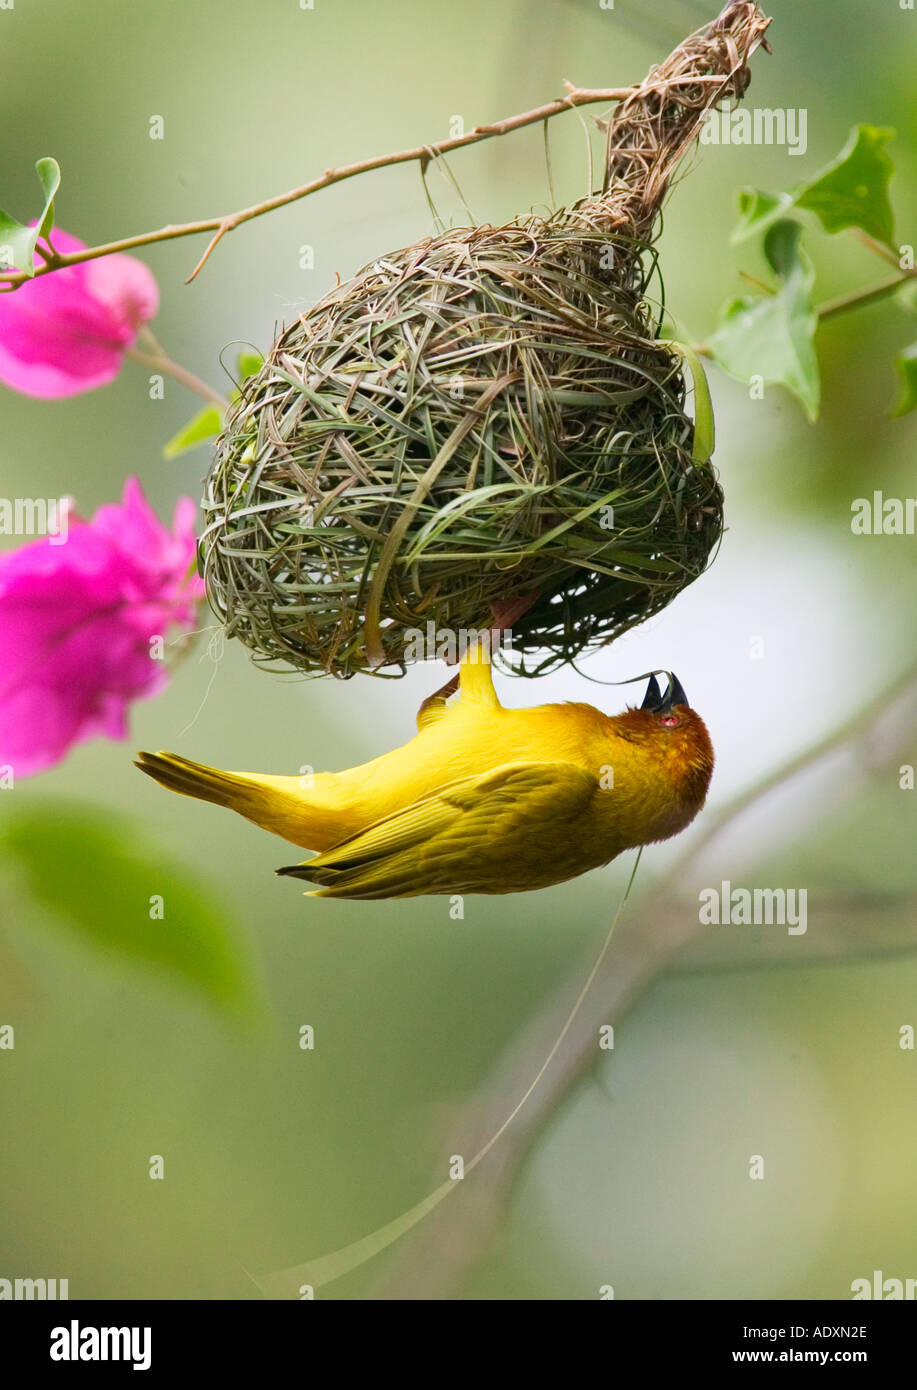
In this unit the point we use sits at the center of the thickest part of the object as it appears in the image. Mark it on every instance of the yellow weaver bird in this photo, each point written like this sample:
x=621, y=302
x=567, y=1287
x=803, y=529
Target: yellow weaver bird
x=483, y=799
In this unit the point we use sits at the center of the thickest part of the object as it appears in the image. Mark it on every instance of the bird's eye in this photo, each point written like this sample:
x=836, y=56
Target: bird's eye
x=670, y=720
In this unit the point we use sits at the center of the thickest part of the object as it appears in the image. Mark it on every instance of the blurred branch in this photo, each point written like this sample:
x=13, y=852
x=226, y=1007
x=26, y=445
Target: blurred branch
x=857, y=298
x=846, y=734
x=876, y=246
x=422, y=154
x=158, y=360
x=435, y=1258
x=857, y=925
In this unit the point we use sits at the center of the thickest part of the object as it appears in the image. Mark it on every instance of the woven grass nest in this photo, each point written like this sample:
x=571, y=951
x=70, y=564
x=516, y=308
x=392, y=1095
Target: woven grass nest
x=486, y=421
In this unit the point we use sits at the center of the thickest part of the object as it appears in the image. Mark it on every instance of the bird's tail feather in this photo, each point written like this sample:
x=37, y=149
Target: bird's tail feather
x=266, y=805
x=191, y=779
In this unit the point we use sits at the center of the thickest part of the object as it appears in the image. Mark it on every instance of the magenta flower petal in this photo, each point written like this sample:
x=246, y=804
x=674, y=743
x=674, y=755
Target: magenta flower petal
x=68, y=331
x=76, y=625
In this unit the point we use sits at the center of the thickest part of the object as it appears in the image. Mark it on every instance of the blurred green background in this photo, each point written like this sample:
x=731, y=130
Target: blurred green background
x=273, y=1154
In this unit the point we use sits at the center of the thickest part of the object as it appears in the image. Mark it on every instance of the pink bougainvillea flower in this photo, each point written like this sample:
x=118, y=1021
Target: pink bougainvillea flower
x=78, y=622
x=68, y=331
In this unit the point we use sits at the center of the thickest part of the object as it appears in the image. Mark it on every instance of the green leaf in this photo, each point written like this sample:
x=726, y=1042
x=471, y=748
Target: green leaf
x=758, y=210
x=206, y=424
x=907, y=369
x=771, y=337
x=17, y=241
x=851, y=191
x=98, y=874
x=783, y=249
x=248, y=363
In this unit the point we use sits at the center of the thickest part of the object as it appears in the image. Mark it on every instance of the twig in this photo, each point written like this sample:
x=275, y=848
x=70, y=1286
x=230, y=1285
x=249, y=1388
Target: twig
x=159, y=361
x=424, y=154
x=878, y=247
x=856, y=298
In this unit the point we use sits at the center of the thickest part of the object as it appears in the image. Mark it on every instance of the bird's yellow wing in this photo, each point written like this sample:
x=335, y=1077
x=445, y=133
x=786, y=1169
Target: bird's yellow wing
x=507, y=830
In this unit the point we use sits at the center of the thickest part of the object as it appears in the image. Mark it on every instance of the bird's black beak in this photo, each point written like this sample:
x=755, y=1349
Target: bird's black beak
x=675, y=694
x=657, y=703
x=653, y=697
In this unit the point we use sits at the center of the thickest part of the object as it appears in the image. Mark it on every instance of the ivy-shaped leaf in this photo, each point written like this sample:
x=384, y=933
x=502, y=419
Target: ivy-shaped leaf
x=17, y=241
x=852, y=191
x=771, y=336
x=907, y=370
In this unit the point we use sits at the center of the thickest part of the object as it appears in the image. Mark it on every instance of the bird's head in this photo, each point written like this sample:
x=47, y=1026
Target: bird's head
x=671, y=734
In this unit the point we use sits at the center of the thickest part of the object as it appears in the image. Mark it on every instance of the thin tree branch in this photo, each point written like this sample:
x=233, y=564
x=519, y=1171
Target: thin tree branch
x=424, y=154
x=878, y=247
x=170, y=368
x=158, y=360
x=856, y=298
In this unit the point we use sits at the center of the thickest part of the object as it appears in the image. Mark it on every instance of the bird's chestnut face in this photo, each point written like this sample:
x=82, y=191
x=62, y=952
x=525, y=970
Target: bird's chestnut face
x=673, y=736
x=674, y=728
